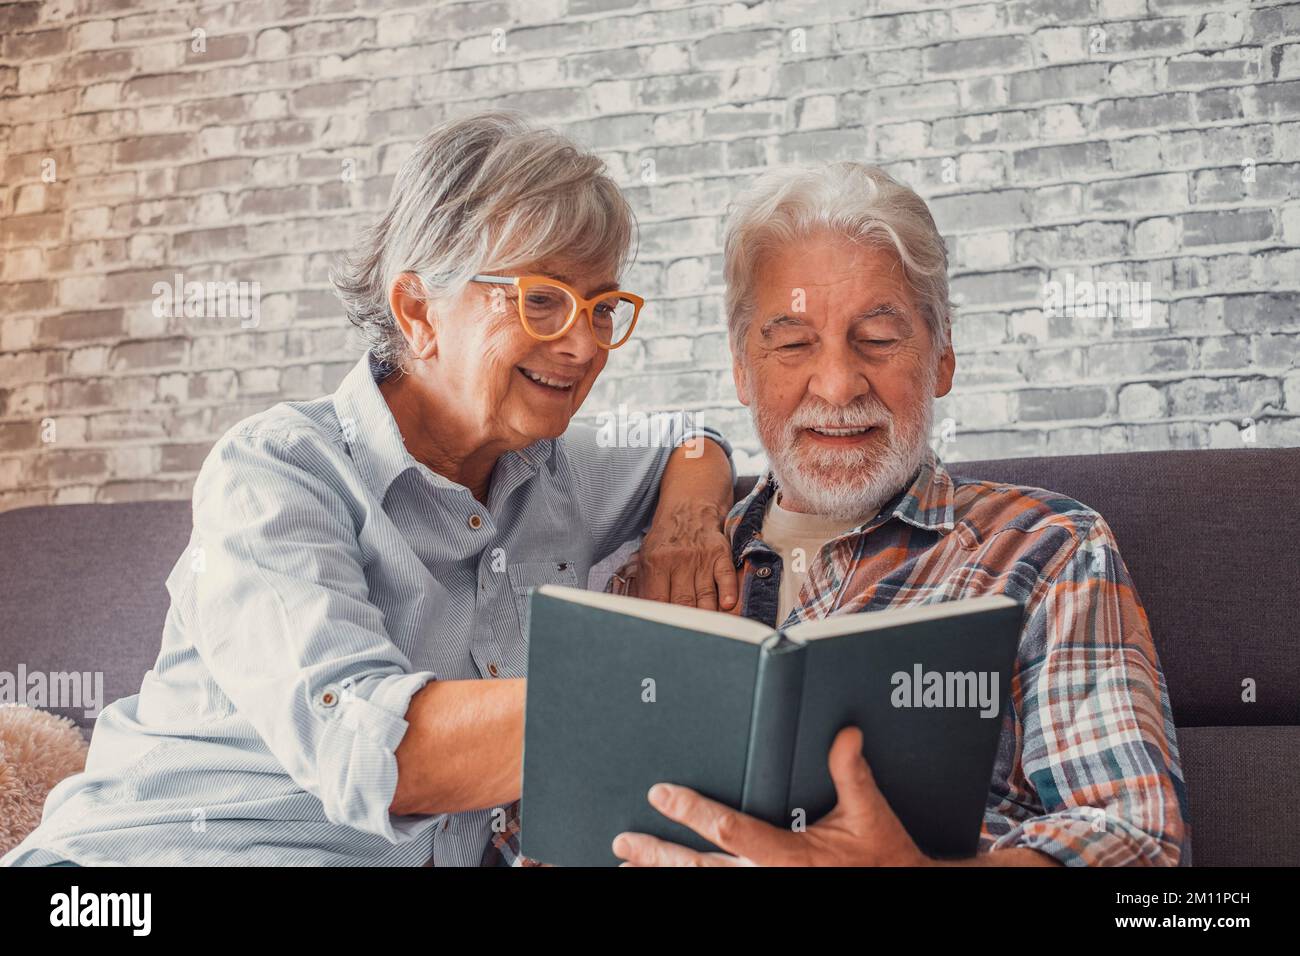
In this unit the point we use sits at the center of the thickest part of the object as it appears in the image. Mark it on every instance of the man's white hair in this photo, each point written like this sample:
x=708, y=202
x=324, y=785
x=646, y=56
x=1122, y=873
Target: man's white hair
x=862, y=203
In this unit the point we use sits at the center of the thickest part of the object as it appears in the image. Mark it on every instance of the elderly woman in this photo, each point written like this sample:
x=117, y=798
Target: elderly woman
x=341, y=679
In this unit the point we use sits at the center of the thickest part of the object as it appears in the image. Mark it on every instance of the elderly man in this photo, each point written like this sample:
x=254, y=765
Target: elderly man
x=837, y=301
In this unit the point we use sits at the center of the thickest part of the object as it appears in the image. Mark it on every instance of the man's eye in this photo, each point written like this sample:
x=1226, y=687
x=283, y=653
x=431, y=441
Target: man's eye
x=878, y=341
x=792, y=346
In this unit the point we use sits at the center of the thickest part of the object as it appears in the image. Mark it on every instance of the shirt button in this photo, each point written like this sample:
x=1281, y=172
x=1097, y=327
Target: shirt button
x=475, y=522
x=329, y=699
x=764, y=572
x=492, y=669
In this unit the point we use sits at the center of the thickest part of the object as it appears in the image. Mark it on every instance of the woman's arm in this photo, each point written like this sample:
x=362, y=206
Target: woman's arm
x=464, y=747
x=282, y=618
x=668, y=478
x=685, y=557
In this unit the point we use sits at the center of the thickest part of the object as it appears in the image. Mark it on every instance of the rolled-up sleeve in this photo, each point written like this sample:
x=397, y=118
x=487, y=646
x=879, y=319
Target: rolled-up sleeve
x=284, y=625
x=615, y=470
x=1099, y=758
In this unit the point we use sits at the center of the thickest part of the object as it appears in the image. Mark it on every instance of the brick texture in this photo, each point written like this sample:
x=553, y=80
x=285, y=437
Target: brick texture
x=1154, y=142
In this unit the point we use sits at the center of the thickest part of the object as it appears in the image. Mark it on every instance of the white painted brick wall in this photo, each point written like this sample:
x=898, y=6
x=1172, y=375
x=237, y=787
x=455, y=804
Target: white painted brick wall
x=1100, y=140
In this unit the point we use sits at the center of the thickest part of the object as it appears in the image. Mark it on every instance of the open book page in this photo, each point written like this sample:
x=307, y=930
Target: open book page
x=675, y=615
x=841, y=624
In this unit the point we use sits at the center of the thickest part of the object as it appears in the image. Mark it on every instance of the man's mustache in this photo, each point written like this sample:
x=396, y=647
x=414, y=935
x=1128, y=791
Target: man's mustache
x=821, y=415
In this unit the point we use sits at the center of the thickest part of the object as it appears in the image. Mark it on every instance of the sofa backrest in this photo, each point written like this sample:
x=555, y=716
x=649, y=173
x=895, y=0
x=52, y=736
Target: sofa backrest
x=82, y=589
x=1211, y=538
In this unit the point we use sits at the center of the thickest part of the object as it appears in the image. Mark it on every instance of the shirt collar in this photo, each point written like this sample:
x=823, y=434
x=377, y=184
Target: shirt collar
x=374, y=440
x=368, y=427
x=924, y=502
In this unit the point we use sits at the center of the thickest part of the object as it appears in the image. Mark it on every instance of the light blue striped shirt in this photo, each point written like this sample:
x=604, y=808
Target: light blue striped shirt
x=329, y=577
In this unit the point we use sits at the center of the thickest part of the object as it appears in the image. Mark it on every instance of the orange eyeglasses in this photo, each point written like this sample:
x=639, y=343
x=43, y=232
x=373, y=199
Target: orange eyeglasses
x=548, y=308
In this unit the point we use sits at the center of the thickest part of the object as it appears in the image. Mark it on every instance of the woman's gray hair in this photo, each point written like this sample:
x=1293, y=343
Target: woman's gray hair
x=860, y=202
x=487, y=193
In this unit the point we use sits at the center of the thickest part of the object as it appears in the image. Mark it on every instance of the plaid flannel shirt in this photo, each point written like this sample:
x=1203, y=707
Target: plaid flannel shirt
x=1087, y=768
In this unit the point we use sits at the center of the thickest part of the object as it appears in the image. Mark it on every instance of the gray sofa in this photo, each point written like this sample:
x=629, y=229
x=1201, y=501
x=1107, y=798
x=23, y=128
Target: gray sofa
x=1212, y=539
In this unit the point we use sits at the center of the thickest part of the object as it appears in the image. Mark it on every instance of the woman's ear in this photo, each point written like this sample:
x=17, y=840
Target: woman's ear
x=414, y=315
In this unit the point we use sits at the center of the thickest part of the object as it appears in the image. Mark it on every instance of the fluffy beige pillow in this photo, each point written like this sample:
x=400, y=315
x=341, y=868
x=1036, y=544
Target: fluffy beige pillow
x=37, y=750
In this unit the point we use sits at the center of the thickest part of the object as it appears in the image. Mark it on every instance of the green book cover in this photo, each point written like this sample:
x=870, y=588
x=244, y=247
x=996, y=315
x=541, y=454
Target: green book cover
x=625, y=693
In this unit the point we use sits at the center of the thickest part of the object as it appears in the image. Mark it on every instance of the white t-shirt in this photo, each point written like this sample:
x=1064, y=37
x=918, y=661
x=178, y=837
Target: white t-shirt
x=798, y=538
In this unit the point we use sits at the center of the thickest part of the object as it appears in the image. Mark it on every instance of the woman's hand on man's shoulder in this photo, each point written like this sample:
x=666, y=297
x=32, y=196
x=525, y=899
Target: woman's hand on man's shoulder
x=686, y=559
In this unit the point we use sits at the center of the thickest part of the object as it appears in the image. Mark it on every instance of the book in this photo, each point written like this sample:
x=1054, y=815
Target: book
x=624, y=693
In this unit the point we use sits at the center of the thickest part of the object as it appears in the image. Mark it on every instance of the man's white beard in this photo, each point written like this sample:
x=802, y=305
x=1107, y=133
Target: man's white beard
x=844, y=483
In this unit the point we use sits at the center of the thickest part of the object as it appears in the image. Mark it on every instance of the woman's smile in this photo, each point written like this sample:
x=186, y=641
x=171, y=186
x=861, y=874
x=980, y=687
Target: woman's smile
x=553, y=384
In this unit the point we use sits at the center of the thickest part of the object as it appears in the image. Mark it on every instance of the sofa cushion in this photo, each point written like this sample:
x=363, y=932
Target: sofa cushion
x=1238, y=782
